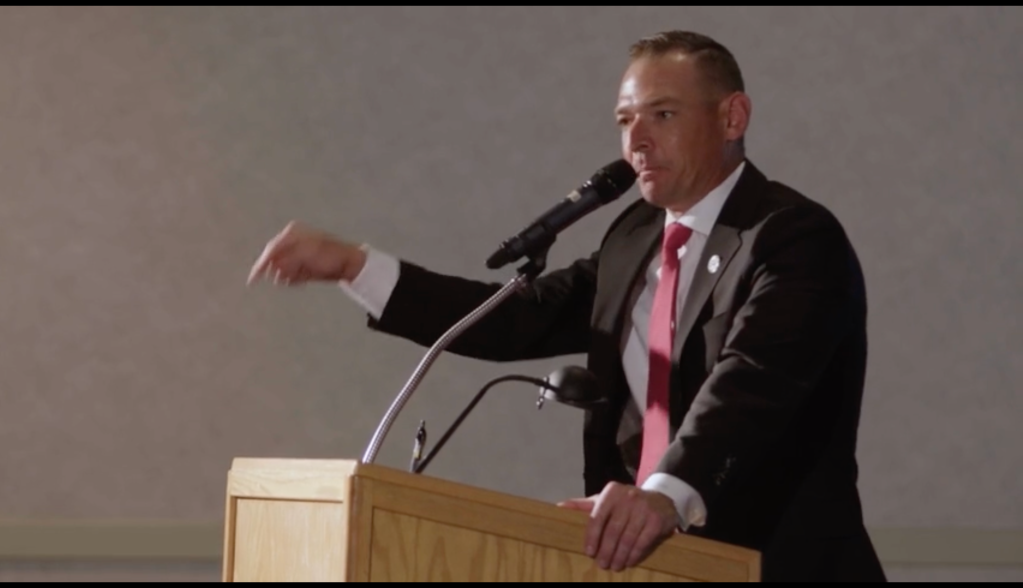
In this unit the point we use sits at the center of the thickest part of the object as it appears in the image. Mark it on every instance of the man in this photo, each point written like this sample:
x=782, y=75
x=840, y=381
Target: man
x=724, y=314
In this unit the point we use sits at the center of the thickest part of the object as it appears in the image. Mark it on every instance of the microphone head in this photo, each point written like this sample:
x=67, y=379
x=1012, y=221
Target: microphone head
x=573, y=385
x=613, y=180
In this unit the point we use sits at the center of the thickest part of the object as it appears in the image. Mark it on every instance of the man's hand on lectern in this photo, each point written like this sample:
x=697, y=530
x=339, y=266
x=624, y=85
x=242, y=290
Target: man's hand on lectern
x=626, y=524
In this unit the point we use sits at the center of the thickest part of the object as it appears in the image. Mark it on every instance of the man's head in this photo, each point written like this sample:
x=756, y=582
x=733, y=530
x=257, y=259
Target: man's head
x=683, y=112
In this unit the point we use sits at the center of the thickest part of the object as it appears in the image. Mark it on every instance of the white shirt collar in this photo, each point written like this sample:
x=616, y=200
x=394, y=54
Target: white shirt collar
x=702, y=216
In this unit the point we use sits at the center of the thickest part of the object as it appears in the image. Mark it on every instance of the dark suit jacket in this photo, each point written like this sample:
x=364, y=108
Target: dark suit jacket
x=768, y=371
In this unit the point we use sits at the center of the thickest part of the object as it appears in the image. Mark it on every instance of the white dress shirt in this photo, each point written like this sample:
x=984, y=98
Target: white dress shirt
x=373, y=286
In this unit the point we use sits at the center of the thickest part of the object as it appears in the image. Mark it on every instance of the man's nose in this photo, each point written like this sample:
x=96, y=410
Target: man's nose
x=638, y=138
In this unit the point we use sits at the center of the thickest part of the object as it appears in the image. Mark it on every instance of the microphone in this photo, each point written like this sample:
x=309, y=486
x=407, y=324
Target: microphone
x=573, y=386
x=605, y=186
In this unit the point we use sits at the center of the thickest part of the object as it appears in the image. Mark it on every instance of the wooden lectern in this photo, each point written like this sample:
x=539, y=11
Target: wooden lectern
x=341, y=520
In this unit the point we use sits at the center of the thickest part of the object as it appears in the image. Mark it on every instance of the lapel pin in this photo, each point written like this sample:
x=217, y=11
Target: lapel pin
x=713, y=264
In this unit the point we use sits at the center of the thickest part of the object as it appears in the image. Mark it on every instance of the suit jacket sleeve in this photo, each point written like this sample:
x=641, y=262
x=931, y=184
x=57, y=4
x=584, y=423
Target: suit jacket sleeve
x=802, y=295
x=549, y=317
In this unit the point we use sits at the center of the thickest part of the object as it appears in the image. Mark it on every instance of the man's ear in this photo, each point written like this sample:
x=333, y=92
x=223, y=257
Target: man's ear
x=736, y=112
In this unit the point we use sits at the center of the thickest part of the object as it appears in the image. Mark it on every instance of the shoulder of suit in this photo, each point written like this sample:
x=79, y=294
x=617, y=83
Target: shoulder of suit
x=787, y=216
x=781, y=201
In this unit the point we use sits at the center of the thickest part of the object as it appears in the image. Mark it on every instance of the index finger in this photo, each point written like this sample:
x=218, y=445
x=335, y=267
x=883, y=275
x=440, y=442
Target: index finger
x=274, y=248
x=260, y=266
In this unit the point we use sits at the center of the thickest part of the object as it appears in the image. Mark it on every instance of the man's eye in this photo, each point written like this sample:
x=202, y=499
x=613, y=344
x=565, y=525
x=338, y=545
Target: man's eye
x=665, y=114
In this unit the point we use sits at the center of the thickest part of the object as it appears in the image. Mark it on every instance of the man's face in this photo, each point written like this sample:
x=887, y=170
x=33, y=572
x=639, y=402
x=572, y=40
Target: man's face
x=674, y=132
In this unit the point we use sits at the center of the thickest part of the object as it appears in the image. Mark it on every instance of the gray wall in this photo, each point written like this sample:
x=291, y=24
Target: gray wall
x=147, y=154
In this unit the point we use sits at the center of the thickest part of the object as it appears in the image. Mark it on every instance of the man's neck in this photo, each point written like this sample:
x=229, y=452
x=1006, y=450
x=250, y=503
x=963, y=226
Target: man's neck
x=677, y=210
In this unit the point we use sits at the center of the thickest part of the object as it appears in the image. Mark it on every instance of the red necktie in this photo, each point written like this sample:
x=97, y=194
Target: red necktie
x=659, y=340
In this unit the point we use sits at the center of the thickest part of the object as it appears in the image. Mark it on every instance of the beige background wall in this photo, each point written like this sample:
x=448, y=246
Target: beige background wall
x=147, y=154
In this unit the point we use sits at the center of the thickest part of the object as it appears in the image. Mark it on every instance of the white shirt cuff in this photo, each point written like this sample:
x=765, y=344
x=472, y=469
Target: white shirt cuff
x=373, y=286
x=688, y=503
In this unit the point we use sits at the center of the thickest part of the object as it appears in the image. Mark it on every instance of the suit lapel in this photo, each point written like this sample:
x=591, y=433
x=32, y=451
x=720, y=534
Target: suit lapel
x=724, y=240
x=722, y=243
x=624, y=262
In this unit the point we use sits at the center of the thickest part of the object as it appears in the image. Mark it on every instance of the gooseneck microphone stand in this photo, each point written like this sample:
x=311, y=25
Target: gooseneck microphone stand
x=418, y=466
x=535, y=265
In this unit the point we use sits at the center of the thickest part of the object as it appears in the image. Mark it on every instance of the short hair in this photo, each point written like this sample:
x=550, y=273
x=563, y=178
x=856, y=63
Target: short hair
x=716, y=63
